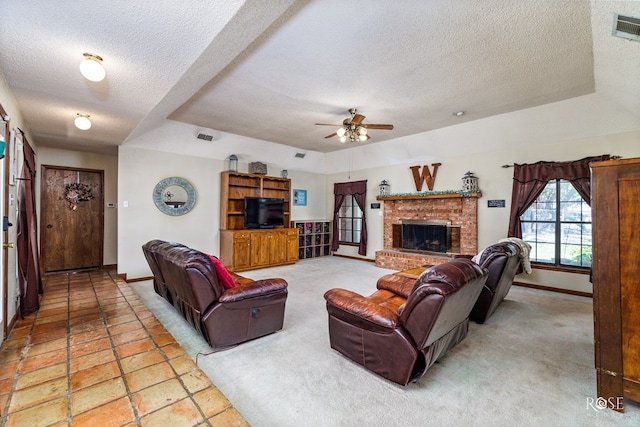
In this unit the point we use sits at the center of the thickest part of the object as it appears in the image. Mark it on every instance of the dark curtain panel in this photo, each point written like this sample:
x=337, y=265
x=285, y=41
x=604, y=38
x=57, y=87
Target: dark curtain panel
x=530, y=179
x=29, y=282
x=338, y=199
x=358, y=190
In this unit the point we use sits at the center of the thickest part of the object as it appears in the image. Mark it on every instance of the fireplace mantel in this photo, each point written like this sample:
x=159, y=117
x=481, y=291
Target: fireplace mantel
x=422, y=196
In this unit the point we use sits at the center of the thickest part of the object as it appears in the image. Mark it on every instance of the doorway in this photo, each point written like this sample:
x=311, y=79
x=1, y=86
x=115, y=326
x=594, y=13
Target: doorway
x=72, y=219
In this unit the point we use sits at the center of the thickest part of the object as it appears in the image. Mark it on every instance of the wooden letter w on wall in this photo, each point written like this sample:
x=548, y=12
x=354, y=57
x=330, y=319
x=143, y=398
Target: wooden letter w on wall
x=426, y=176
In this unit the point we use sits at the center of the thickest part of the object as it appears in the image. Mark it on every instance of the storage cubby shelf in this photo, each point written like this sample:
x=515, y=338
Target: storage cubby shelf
x=314, y=238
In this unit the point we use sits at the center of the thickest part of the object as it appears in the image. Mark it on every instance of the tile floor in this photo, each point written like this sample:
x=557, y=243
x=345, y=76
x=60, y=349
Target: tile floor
x=94, y=355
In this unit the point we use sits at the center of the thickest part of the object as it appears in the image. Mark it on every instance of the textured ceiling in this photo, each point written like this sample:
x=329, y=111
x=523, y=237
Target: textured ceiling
x=271, y=69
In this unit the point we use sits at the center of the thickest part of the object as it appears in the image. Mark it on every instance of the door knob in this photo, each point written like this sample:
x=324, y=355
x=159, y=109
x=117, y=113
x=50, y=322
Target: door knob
x=7, y=245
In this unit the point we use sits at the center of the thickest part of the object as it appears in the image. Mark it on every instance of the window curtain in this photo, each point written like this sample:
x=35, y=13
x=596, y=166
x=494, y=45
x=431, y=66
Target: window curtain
x=530, y=179
x=29, y=282
x=358, y=189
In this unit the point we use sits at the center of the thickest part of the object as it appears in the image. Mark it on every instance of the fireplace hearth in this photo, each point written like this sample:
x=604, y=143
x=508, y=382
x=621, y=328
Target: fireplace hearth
x=428, y=237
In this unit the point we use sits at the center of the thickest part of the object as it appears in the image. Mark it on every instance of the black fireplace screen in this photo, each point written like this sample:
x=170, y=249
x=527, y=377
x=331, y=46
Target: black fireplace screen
x=426, y=237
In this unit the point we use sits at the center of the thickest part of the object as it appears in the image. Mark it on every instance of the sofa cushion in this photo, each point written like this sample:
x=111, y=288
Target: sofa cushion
x=224, y=277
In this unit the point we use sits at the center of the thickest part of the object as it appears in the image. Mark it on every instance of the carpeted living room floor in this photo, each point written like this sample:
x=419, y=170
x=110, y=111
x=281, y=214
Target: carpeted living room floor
x=530, y=364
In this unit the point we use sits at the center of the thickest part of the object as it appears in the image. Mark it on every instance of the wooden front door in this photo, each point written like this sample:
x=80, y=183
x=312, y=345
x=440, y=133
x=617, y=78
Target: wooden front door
x=72, y=223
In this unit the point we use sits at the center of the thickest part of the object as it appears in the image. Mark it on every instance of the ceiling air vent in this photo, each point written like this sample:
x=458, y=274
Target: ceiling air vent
x=300, y=155
x=626, y=27
x=205, y=137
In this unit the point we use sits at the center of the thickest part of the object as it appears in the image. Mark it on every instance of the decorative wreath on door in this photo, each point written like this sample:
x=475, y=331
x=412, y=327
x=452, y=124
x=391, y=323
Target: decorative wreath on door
x=75, y=193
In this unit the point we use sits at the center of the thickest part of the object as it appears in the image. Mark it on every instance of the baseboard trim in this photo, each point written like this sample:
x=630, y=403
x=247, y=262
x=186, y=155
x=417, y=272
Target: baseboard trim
x=123, y=276
x=354, y=257
x=552, y=289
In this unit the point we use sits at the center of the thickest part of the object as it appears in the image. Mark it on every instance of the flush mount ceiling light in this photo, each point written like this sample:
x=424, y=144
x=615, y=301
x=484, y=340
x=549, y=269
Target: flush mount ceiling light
x=458, y=113
x=82, y=121
x=91, y=67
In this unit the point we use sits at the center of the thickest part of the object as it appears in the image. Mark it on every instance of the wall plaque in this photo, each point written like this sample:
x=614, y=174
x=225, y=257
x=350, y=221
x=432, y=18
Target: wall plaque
x=495, y=203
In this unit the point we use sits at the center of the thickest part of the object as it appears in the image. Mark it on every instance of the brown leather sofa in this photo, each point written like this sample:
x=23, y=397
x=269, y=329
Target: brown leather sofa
x=399, y=331
x=502, y=261
x=187, y=279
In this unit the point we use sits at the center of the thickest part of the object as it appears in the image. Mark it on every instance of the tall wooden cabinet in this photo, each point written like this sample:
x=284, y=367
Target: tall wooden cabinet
x=242, y=249
x=615, y=209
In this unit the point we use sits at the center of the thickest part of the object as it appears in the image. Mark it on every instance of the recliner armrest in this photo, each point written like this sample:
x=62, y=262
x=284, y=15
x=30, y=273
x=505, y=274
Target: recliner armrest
x=359, y=306
x=253, y=289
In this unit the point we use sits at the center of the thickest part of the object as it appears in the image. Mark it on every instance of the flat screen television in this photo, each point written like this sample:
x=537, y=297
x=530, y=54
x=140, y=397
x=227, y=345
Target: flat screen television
x=263, y=212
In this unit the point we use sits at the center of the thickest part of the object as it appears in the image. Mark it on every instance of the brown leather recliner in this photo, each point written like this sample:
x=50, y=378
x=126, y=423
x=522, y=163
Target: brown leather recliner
x=187, y=279
x=399, y=335
x=149, y=249
x=502, y=261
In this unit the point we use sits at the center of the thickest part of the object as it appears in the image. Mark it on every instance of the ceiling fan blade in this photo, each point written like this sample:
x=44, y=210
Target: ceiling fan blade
x=327, y=124
x=377, y=126
x=329, y=136
x=357, y=119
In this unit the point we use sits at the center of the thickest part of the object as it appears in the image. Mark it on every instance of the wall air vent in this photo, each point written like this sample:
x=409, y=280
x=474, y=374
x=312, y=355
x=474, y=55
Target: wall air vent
x=205, y=137
x=626, y=27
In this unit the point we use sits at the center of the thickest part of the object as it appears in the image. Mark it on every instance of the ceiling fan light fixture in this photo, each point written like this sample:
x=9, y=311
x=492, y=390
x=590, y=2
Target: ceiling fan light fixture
x=91, y=67
x=353, y=130
x=82, y=121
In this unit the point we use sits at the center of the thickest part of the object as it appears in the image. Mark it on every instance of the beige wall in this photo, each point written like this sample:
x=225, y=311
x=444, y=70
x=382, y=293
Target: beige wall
x=106, y=163
x=141, y=169
x=494, y=182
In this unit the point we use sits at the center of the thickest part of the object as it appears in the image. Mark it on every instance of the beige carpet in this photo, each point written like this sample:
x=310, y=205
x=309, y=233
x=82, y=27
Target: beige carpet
x=531, y=364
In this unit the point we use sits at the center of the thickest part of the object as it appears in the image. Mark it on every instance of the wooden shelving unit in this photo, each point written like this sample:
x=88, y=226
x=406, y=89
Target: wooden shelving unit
x=242, y=249
x=235, y=186
x=314, y=238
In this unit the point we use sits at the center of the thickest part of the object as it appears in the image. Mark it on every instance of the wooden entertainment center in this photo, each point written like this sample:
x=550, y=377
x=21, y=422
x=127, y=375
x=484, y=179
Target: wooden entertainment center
x=245, y=249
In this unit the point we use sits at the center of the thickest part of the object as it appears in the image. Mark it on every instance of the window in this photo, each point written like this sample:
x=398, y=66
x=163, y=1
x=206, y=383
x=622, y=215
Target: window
x=558, y=227
x=349, y=221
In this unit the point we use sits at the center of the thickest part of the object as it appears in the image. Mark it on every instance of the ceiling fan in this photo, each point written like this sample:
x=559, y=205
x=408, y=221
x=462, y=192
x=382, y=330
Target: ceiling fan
x=352, y=128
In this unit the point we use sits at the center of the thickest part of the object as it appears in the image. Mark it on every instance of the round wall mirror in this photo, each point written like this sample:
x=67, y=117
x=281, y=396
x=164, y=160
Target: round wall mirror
x=174, y=196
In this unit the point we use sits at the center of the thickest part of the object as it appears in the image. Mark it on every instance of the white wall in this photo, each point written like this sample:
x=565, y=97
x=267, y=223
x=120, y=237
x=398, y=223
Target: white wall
x=495, y=182
x=79, y=159
x=9, y=103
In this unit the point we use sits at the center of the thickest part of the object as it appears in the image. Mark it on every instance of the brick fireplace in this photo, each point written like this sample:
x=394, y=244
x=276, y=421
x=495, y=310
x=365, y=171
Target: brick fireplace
x=459, y=208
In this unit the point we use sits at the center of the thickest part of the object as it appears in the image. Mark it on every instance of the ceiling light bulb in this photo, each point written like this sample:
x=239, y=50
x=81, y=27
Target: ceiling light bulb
x=362, y=131
x=343, y=138
x=91, y=67
x=340, y=132
x=82, y=122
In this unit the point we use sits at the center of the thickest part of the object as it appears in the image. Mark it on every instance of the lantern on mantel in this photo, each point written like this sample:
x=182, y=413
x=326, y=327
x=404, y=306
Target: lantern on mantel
x=385, y=188
x=469, y=182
